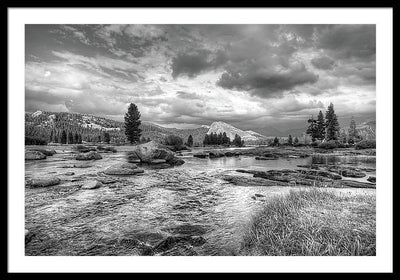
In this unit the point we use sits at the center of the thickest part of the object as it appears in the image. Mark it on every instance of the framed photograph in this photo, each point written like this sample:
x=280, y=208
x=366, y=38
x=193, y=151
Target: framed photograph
x=200, y=140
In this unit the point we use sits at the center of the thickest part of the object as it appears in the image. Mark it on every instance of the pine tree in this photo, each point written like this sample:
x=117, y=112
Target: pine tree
x=70, y=138
x=190, y=141
x=290, y=140
x=332, y=124
x=107, y=137
x=64, y=137
x=76, y=138
x=206, y=140
x=276, y=141
x=353, y=133
x=312, y=129
x=320, y=133
x=219, y=139
x=296, y=141
x=237, y=141
x=225, y=139
x=132, y=123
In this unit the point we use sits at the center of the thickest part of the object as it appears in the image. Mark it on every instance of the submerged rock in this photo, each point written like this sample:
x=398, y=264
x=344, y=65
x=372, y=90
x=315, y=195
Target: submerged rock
x=171, y=241
x=352, y=173
x=28, y=236
x=88, y=156
x=249, y=181
x=92, y=184
x=371, y=179
x=216, y=154
x=201, y=155
x=187, y=229
x=123, y=169
x=43, y=182
x=158, y=161
x=308, y=166
x=355, y=184
x=106, y=149
x=34, y=155
x=47, y=152
x=265, y=158
x=84, y=149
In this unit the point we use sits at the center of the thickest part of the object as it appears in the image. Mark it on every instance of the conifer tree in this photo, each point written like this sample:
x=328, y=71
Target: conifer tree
x=332, y=124
x=276, y=141
x=132, y=123
x=64, y=137
x=70, y=138
x=290, y=140
x=190, y=141
x=353, y=133
x=76, y=138
x=107, y=137
x=320, y=129
x=312, y=129
x=206, y=140
x=237, y=141
x=296, y=141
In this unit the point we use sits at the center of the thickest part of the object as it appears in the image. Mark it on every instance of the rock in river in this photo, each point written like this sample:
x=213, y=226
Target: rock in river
x=123, y=169
x=92, y=184
x=152, y=152
x=43, y=182
x=371, y=179
x=47, y=152
x=265, y=158
x=84, y=149
x=88, y=156
x=201, y=155
x=106, y=149
x=34, y=155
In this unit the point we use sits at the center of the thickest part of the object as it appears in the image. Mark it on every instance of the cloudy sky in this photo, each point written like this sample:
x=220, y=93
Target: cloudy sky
x=253, y=76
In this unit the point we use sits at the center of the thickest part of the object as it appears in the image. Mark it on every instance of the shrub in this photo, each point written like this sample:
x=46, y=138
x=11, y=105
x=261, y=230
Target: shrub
x=314, y=144
x=365, y=144
x=173, y=140
x=332, y=144
x=34, y=141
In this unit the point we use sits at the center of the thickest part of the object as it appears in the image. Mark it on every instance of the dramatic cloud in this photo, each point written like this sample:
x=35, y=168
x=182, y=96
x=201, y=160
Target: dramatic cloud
x=323, y=62
x=253, y=76
x=265, y=82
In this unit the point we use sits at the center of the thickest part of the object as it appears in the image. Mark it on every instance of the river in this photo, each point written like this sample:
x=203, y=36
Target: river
x=188, y=199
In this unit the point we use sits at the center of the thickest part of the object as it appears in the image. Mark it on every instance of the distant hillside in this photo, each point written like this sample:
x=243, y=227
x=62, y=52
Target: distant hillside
x=367, y=129
x=249, y=137
x=41, y=124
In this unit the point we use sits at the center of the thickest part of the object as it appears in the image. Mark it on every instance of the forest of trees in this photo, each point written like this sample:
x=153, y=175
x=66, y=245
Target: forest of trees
x=48, y=128
x=216, y=139
x=324, y=127
x=327, y=129
x=222, y=139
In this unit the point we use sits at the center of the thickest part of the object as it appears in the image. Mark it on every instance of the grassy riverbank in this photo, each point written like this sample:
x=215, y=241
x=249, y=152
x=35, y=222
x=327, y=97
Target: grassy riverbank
x=314, y=222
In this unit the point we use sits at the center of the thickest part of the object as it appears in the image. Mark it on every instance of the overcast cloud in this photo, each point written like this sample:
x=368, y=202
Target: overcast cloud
x=253, y=76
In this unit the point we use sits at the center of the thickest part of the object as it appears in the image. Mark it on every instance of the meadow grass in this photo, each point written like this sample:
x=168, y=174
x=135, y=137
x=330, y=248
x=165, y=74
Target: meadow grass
x=314, y=223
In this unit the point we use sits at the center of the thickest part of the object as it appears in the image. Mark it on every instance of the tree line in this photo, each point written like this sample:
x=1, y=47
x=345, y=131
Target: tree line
x=327, y=128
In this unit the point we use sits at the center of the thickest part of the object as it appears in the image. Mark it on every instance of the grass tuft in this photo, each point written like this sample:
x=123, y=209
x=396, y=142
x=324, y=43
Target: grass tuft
x=314, y=223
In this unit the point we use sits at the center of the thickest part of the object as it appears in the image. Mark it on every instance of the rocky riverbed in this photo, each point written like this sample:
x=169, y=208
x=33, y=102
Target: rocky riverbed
x=150, y=201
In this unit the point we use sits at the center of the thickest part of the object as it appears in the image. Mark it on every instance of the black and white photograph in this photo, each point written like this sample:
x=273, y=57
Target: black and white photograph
x=185, y=139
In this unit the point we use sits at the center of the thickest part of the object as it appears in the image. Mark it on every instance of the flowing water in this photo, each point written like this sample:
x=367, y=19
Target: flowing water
x=188, y=199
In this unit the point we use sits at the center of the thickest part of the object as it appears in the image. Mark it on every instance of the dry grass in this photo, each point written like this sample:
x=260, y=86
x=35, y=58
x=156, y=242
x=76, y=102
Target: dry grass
x=314, y=223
